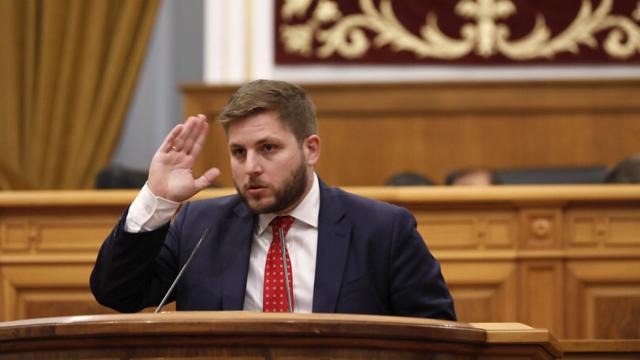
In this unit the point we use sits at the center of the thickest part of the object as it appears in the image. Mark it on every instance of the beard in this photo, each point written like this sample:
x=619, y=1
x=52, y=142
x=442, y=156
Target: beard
x=285, y=196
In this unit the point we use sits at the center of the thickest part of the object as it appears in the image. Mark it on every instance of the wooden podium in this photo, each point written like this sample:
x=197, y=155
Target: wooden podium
x=243, y=335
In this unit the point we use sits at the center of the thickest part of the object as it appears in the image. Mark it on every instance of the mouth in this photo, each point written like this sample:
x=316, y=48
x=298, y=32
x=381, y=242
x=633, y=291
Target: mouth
x=255, y=189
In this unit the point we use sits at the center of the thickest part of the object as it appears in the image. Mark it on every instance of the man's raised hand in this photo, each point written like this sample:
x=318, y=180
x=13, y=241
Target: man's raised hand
x=170, y=173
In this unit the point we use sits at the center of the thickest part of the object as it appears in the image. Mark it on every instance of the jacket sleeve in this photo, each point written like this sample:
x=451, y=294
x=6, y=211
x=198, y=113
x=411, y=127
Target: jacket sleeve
x=134, y=270
x=417, y=286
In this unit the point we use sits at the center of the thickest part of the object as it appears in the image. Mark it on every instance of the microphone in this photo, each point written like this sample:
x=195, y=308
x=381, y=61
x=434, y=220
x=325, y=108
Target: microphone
x=184, y=267
x=283, y=251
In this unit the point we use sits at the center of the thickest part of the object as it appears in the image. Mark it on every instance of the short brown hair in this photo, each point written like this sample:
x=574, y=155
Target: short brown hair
x=626, y=171
x=296, y=111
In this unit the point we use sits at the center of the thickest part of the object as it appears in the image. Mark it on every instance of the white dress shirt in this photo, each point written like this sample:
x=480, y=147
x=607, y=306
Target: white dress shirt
x=149, y=212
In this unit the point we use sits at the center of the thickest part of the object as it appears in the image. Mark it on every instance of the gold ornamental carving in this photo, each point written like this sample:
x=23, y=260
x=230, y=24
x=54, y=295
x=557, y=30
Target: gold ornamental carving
x=483, y=35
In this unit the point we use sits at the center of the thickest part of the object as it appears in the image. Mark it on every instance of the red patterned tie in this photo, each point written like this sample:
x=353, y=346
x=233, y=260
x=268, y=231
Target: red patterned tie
x=274, y=295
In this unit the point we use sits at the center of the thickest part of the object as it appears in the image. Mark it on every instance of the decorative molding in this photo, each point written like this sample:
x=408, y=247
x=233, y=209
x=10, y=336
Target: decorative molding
x=50, y=234
x=484, y=34
x=541, y=228
x=603, y=228
x=468, y=230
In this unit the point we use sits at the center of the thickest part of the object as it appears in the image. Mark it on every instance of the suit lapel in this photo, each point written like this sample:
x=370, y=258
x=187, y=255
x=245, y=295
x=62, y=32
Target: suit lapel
x=333, y=247
x=236, y=246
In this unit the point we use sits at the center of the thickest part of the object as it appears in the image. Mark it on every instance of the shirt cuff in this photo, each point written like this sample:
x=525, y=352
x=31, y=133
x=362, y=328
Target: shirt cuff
x=149, y=212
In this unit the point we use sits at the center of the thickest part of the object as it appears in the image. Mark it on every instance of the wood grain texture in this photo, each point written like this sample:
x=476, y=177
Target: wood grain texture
x=371, y=131
x=600, y=349
x=577, y=273
x=274, y=336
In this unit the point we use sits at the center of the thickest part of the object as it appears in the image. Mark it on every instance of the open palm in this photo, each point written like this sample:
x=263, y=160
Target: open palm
x=170, y=173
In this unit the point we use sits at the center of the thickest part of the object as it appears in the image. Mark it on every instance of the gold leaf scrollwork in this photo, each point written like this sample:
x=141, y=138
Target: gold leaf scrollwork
x=484, y=35
x=299, y=38
x=294, y=8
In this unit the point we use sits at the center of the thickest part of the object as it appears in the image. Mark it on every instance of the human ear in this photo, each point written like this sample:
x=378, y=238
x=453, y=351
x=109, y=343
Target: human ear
x=311, y=148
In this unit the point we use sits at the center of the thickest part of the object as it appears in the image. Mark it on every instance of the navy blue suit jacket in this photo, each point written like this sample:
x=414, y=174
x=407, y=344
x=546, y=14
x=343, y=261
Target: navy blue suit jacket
x=370, y=260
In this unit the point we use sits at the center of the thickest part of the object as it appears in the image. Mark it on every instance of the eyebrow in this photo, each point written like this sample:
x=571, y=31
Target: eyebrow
x=261, y=141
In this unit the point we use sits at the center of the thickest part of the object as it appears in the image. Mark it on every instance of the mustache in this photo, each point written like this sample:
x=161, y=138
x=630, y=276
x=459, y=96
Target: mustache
x=253, y=183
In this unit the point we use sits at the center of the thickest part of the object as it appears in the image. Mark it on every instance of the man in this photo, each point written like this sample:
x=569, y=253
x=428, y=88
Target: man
x=472, y=177
x=343, y=253
x=626, y=171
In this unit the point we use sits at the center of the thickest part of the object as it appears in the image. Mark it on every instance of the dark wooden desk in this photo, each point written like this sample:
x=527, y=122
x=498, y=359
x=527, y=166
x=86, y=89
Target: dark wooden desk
x=243, y=335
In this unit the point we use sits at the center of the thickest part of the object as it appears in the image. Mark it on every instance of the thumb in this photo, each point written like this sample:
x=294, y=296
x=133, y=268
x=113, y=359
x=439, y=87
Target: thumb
x=207, y=178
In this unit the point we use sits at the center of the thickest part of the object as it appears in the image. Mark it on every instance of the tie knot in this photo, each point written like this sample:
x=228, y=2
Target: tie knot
x=282, y=222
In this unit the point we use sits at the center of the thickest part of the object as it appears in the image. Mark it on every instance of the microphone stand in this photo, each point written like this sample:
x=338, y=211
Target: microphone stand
x=193, y=252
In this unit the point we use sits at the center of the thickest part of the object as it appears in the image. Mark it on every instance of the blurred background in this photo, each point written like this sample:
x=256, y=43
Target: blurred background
x=531, y=92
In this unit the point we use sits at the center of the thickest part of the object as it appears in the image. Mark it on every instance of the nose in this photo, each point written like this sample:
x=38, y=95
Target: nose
x=253, y=164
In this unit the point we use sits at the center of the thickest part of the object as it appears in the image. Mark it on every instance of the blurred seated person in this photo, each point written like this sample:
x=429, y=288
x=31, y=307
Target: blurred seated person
x=408, y=178
x=471, y=177
x=627, y=171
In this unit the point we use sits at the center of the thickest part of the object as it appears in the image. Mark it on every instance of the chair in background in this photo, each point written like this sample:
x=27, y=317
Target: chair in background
x=408, y=178
x=119, y=177
x=552, y=175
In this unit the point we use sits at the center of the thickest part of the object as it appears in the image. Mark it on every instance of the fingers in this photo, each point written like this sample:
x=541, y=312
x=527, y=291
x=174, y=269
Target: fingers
x=206, y=179
x=193, y=128
x=169, y=141
x=200, y=140
x=197, y=135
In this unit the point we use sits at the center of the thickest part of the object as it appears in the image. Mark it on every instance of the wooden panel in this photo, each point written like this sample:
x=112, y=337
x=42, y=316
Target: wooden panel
x=37, y=290
x=482, y=291
x=15, y=234
x=604, y=228
x=613, y=311
x=565, y=258
x=462, y=229
x=435, y=128
x=600, y=349
x=542, y=292
x=604, y=299
x=624, y=230
x=55, y=233
x=49, y=288
x=39, y=302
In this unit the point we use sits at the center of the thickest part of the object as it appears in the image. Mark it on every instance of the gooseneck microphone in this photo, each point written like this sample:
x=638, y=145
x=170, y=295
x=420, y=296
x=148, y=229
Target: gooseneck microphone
x=286, y=272
x=184, y=267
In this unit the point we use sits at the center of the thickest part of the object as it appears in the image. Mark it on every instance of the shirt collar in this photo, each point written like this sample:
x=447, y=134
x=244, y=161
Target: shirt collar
x=307, y=211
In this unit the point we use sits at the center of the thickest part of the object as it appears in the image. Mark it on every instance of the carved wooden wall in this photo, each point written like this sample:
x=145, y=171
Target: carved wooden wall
x=48, y=243
x=564, y=258
x=371, y=131
x=570, y=266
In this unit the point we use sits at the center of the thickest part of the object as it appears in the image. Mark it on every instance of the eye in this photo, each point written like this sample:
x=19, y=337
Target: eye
x=238, y=152
x=269, y=148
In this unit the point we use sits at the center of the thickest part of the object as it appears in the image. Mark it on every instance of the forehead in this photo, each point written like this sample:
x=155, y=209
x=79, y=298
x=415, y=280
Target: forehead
x=257, y=128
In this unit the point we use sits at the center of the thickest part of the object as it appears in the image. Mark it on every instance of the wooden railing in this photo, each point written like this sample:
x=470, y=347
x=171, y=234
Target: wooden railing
x=565, y=258
x=245, y=335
